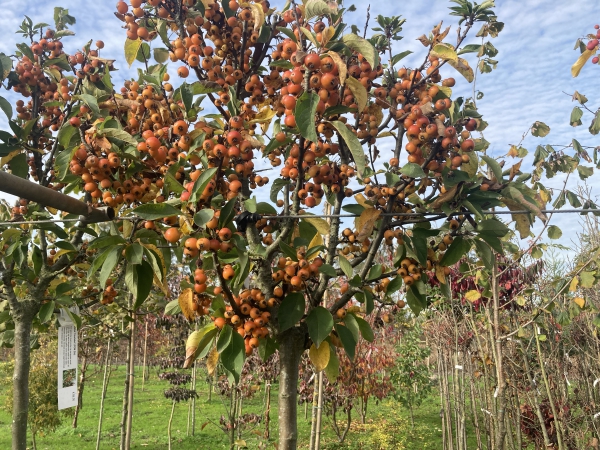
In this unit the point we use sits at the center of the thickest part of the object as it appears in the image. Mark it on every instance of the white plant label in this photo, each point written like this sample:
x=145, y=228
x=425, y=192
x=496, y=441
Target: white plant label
x=67, y=361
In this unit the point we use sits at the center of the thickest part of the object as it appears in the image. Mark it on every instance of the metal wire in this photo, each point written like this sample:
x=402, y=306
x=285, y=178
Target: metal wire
x=309, y=216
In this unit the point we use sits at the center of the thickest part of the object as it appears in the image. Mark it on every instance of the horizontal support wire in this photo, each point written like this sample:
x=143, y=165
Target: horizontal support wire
x=308, y=216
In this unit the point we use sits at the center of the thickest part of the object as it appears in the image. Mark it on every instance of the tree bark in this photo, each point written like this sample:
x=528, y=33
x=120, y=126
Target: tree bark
x=290, y=351
x=80, y=390
x=104, y=388
x=22, y=352
x=131, y=376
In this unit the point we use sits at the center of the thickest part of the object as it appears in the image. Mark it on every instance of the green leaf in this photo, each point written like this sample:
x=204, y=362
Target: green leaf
x=416, y=301
x=494, y=167
x=233, y=356
x=306, y=109
x=118, y=134
x=172, y=308
x=154, y=211
x=36, y=259
x=134, y=253
x=540, y=129
x=345, y=266
x=5, y=106
x=400, y=56
x=554, y=232
x=459, y=248
x=202, y=217
x=316, y=8
x=131, y=50
x=224, y=339
x=161, y=55
x=327, y=270
x=351, y=323
x=365, y=329
x=320, y=324
x=347, y=339
x=277, y=186
x=267, y=347
x=19, y=166
x=413, y=170
x=353, y=145
x=291, y=310
x=227, y=213
x=333, y=367
x=394, y=285
x=110, y=262
x=90, y=101
x=105, y=241
x=362, y=46
x=587, y=279
x=201, y=183
x=46, y=311
x=576, y=116
x=585, y=172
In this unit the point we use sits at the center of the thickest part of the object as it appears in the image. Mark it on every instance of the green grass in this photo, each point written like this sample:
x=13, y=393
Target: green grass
x=387, y=422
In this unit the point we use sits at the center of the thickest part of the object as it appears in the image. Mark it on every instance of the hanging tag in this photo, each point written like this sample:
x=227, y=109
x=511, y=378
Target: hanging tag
x=67, y=360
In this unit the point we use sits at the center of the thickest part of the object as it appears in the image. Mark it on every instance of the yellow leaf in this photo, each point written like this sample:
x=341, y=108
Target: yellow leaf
x=473, y=296
x=184, y=225
x=160, y=282
x=358, y=91
x=581, y=62
x=341, y=65
x=362, y=201
x=375, y=110
x=52, y=210
x=522, y=221
x=212, y=360
x=463, y=68
x=320, y=224
x=366, y=223
x=579, y=301
x=258, y=15
x=6, y=159
x=186, y=300
x=131, y=50
x=127, y=228
x=440, y=274
x=445, y=197
x=309, y=36
x=319, y=356
x=445, y=52
x=327, y=34
x=574, y=283
x=192, y=343
x=315, y=242
x=264, y=115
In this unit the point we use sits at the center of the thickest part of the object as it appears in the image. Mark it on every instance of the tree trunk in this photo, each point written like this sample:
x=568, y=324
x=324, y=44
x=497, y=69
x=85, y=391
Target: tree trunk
x=80, y=391
x=125, y=395
x=268, y=411
x=104, y=388
x=170, y=423
x=290, y=351
x=22, y=352
x=144, y=372
x=313, y=421
x=319, y=412
x=131, y=376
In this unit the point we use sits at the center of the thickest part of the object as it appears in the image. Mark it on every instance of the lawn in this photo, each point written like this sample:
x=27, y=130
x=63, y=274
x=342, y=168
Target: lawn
x=388, y=426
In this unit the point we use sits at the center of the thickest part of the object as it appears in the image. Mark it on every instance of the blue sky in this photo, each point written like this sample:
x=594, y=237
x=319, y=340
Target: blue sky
x=535, y=56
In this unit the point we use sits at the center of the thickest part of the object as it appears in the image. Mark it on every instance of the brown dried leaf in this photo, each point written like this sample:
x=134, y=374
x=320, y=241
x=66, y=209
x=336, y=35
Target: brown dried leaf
x=212, y=361
x=366, y=223
x=186, y=300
